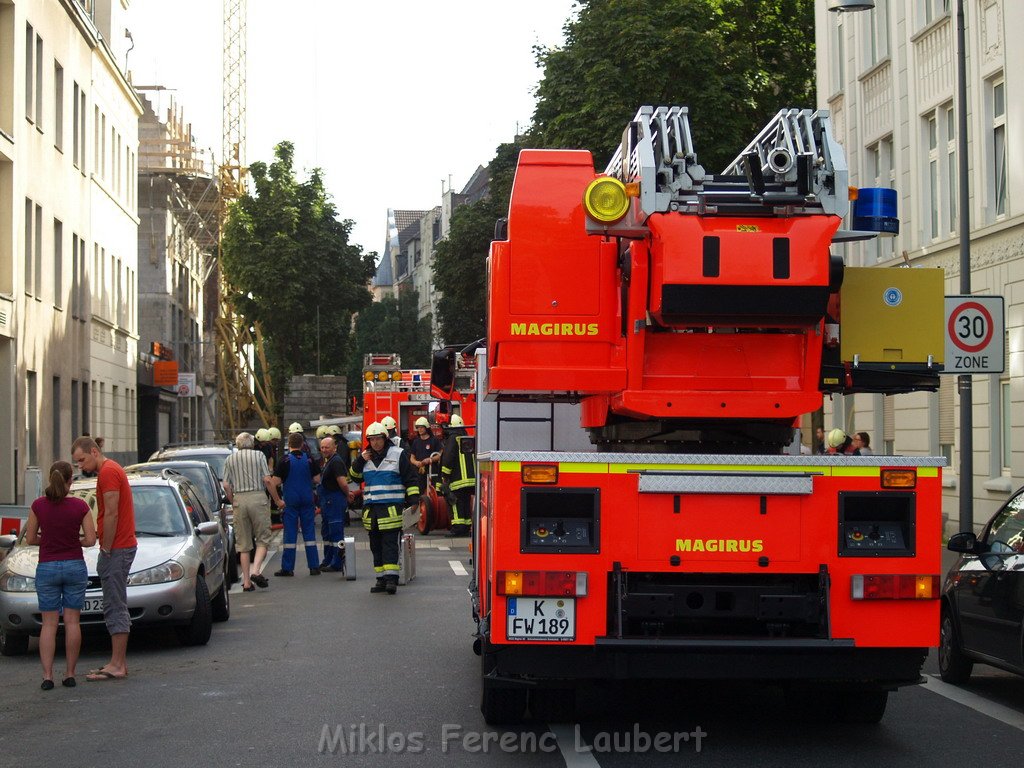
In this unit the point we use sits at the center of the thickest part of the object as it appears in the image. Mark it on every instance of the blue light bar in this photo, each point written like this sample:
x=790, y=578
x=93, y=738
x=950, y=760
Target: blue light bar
x=874, y=210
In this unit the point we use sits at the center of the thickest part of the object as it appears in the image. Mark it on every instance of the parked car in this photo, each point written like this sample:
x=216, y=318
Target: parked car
x=213, y=454
x=177, y=578
x=983, y=597
x=210, y=491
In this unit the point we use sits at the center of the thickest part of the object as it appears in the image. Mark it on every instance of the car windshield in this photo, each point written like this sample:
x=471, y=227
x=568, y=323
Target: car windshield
x=157, y=511
x=215, y=460
x=199, y=476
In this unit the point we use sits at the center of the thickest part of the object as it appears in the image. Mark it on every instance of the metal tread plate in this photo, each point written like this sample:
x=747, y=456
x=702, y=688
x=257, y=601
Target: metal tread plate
x=719, y=460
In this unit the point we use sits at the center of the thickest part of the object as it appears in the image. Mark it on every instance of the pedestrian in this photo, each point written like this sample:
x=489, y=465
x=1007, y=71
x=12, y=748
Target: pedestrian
x=61, y=526
x=425, y=450
x=99, y=444
x=296, y=429
x=333, y=504
x=295, y=475
x=389, y=483
x=458, y=475
x=115, y=528
x=245, y=476
x=819, y=440
x=389, y=423
x=862, y=443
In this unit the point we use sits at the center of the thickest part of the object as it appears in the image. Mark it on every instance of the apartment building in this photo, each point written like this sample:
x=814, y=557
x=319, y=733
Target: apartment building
x=68, y=139
x=889, y=78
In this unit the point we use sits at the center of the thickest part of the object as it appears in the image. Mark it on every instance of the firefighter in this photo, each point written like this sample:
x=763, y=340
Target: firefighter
x=274, y=444
x=296, y=429
x=426, y=450
x=389, y=484
x=333, y=492
x=296, y=474
x=458, y=475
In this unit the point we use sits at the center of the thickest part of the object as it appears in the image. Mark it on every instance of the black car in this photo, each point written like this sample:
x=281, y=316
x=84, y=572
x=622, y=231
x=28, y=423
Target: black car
x=983, y=597
x=211, y=492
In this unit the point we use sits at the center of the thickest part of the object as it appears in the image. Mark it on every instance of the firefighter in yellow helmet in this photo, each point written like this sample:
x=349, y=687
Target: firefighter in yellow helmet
x=389, y=423
x=389, y=484
x=426, y=450
x=458, y=475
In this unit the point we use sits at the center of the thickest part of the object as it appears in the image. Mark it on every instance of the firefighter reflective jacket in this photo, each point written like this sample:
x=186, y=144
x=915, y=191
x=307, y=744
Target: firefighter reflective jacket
x=389, y=477
x=458, y=462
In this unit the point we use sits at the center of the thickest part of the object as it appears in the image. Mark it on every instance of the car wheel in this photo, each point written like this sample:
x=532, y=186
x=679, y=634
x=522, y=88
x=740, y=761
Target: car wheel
x=220, y=608
x=954, y=666
x=500, y=705
x=13, y=643
x=197, y=631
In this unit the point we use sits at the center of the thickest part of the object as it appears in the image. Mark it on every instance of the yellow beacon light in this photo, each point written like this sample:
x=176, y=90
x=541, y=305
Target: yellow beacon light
x=606, y=199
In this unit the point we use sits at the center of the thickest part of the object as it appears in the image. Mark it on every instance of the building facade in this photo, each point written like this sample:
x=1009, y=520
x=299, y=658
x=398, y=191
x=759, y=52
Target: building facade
x=889, y=76
x=177, y=244
x=68, y=139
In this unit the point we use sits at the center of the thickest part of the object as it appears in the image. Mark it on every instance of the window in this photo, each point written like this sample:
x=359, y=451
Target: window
x=58, y=106
x=38, y=249
x=1004, y=411
x=836, y=68
x=56, y=418
x=940, y=173
x=77, y=136
x=31, y=422
x=998, y=106
x=1006, y=533
x=75, y=411
x=86, y=401
x=39, y=82
x=875, y=35
x=30, y=72
x=881, y=172
x=81, y=128
x=29, y=208
x=76, y=278
x=933, y=9
x=947, y=417
x=58, y=263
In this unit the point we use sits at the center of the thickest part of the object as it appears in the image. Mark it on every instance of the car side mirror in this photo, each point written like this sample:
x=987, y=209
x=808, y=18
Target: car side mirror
x=966, y=543
x=208, y=528
x=8, y=541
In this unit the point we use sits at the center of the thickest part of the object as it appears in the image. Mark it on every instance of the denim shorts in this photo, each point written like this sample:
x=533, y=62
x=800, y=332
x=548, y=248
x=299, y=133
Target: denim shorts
x=61, y=584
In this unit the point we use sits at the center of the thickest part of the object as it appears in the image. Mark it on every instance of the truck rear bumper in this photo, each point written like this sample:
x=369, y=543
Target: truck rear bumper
x=797, y=661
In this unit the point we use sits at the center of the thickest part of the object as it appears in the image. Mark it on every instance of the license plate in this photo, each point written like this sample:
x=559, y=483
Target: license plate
x=541, y=618
x=92, y=605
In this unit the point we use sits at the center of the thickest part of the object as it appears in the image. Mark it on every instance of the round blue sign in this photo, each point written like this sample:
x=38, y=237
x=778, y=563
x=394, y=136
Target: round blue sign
x=893, y=297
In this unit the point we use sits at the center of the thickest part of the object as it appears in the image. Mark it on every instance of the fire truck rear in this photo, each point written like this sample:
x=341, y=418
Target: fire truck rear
x=655, y=335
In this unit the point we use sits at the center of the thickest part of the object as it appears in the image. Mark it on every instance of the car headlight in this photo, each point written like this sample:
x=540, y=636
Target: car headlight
x=15, y=582
x=160, y=574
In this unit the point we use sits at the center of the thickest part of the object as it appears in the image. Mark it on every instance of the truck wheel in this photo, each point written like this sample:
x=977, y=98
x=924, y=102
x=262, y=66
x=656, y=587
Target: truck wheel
x=954, y=666
x=426, y=521
x=553, y=705
x=503, y=706
x=220, y=608
x=865, y=707
x=197, y=631
x=13, y=643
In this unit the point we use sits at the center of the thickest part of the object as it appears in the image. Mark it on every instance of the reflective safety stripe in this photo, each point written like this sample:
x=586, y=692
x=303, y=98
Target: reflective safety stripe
x=378, y=569
x=412, y=490
x=391, y=567
x=446, y=470
x=469, y=482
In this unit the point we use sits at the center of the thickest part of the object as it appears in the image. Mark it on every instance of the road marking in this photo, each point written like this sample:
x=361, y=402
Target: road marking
x=459, y=568
x=566, y=738
x=444, y=549
x=978, y=703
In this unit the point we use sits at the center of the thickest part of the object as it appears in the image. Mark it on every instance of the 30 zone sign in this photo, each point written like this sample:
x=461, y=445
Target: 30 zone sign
x=974, y=334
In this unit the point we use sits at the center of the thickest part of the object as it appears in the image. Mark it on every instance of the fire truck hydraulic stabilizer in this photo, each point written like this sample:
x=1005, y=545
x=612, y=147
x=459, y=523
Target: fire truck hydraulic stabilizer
x=690, y=320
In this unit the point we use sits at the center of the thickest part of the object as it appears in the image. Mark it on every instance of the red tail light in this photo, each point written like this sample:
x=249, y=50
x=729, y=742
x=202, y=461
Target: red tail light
x=897, y=586
x=541, y=583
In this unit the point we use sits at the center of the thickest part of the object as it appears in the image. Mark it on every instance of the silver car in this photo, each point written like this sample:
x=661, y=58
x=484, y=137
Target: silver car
x=177, y=579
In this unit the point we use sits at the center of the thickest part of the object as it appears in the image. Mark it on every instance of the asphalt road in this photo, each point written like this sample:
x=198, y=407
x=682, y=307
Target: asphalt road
x=317, y=671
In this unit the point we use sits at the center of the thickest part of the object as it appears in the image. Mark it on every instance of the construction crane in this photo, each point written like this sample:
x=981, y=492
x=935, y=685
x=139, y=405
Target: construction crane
x=242, y=382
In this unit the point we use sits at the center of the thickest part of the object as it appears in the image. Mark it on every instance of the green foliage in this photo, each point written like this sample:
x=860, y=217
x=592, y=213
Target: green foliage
x=391, y=325
x=286, y=253
x=734, y=63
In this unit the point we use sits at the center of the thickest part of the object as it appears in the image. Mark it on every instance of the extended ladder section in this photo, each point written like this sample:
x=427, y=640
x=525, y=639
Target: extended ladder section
x=792, y=167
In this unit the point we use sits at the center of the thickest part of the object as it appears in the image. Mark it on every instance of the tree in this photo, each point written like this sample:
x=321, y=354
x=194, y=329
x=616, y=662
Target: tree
x=460, y=262
x=391, y=325
x=705, y=54
x=286, y=254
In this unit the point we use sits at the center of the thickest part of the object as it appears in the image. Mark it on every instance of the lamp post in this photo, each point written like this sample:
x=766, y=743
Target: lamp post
x=964, y=386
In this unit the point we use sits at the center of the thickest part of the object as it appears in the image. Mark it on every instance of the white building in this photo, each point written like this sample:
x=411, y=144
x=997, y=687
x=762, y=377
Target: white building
x=889, y=78
x=68, y=233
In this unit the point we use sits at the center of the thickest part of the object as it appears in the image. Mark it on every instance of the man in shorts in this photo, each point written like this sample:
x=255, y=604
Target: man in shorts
x=244, y=473
x=115, y=529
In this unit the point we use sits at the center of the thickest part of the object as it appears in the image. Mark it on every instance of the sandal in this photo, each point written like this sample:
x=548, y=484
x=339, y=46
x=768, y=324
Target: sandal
x=47, y=685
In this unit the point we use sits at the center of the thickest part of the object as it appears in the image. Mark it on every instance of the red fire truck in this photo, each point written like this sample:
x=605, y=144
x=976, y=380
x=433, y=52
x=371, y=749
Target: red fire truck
x=656, y=334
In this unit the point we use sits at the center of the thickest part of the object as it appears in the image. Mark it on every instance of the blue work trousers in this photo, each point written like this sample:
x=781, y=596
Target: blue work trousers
x=294, y=516
x=333, y=511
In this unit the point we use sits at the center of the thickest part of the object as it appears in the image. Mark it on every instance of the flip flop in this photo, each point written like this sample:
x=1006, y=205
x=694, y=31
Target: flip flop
x=99, y=677
x=101, y=671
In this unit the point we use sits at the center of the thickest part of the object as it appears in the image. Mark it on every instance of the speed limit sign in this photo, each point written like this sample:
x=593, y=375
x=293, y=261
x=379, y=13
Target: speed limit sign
x=974, y=334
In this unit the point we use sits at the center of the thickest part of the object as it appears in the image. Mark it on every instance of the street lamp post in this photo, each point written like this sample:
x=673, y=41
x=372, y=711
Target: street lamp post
x=964, y=386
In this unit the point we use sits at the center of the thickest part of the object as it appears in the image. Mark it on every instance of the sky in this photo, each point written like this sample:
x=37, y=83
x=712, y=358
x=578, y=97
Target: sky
x=390, y=98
